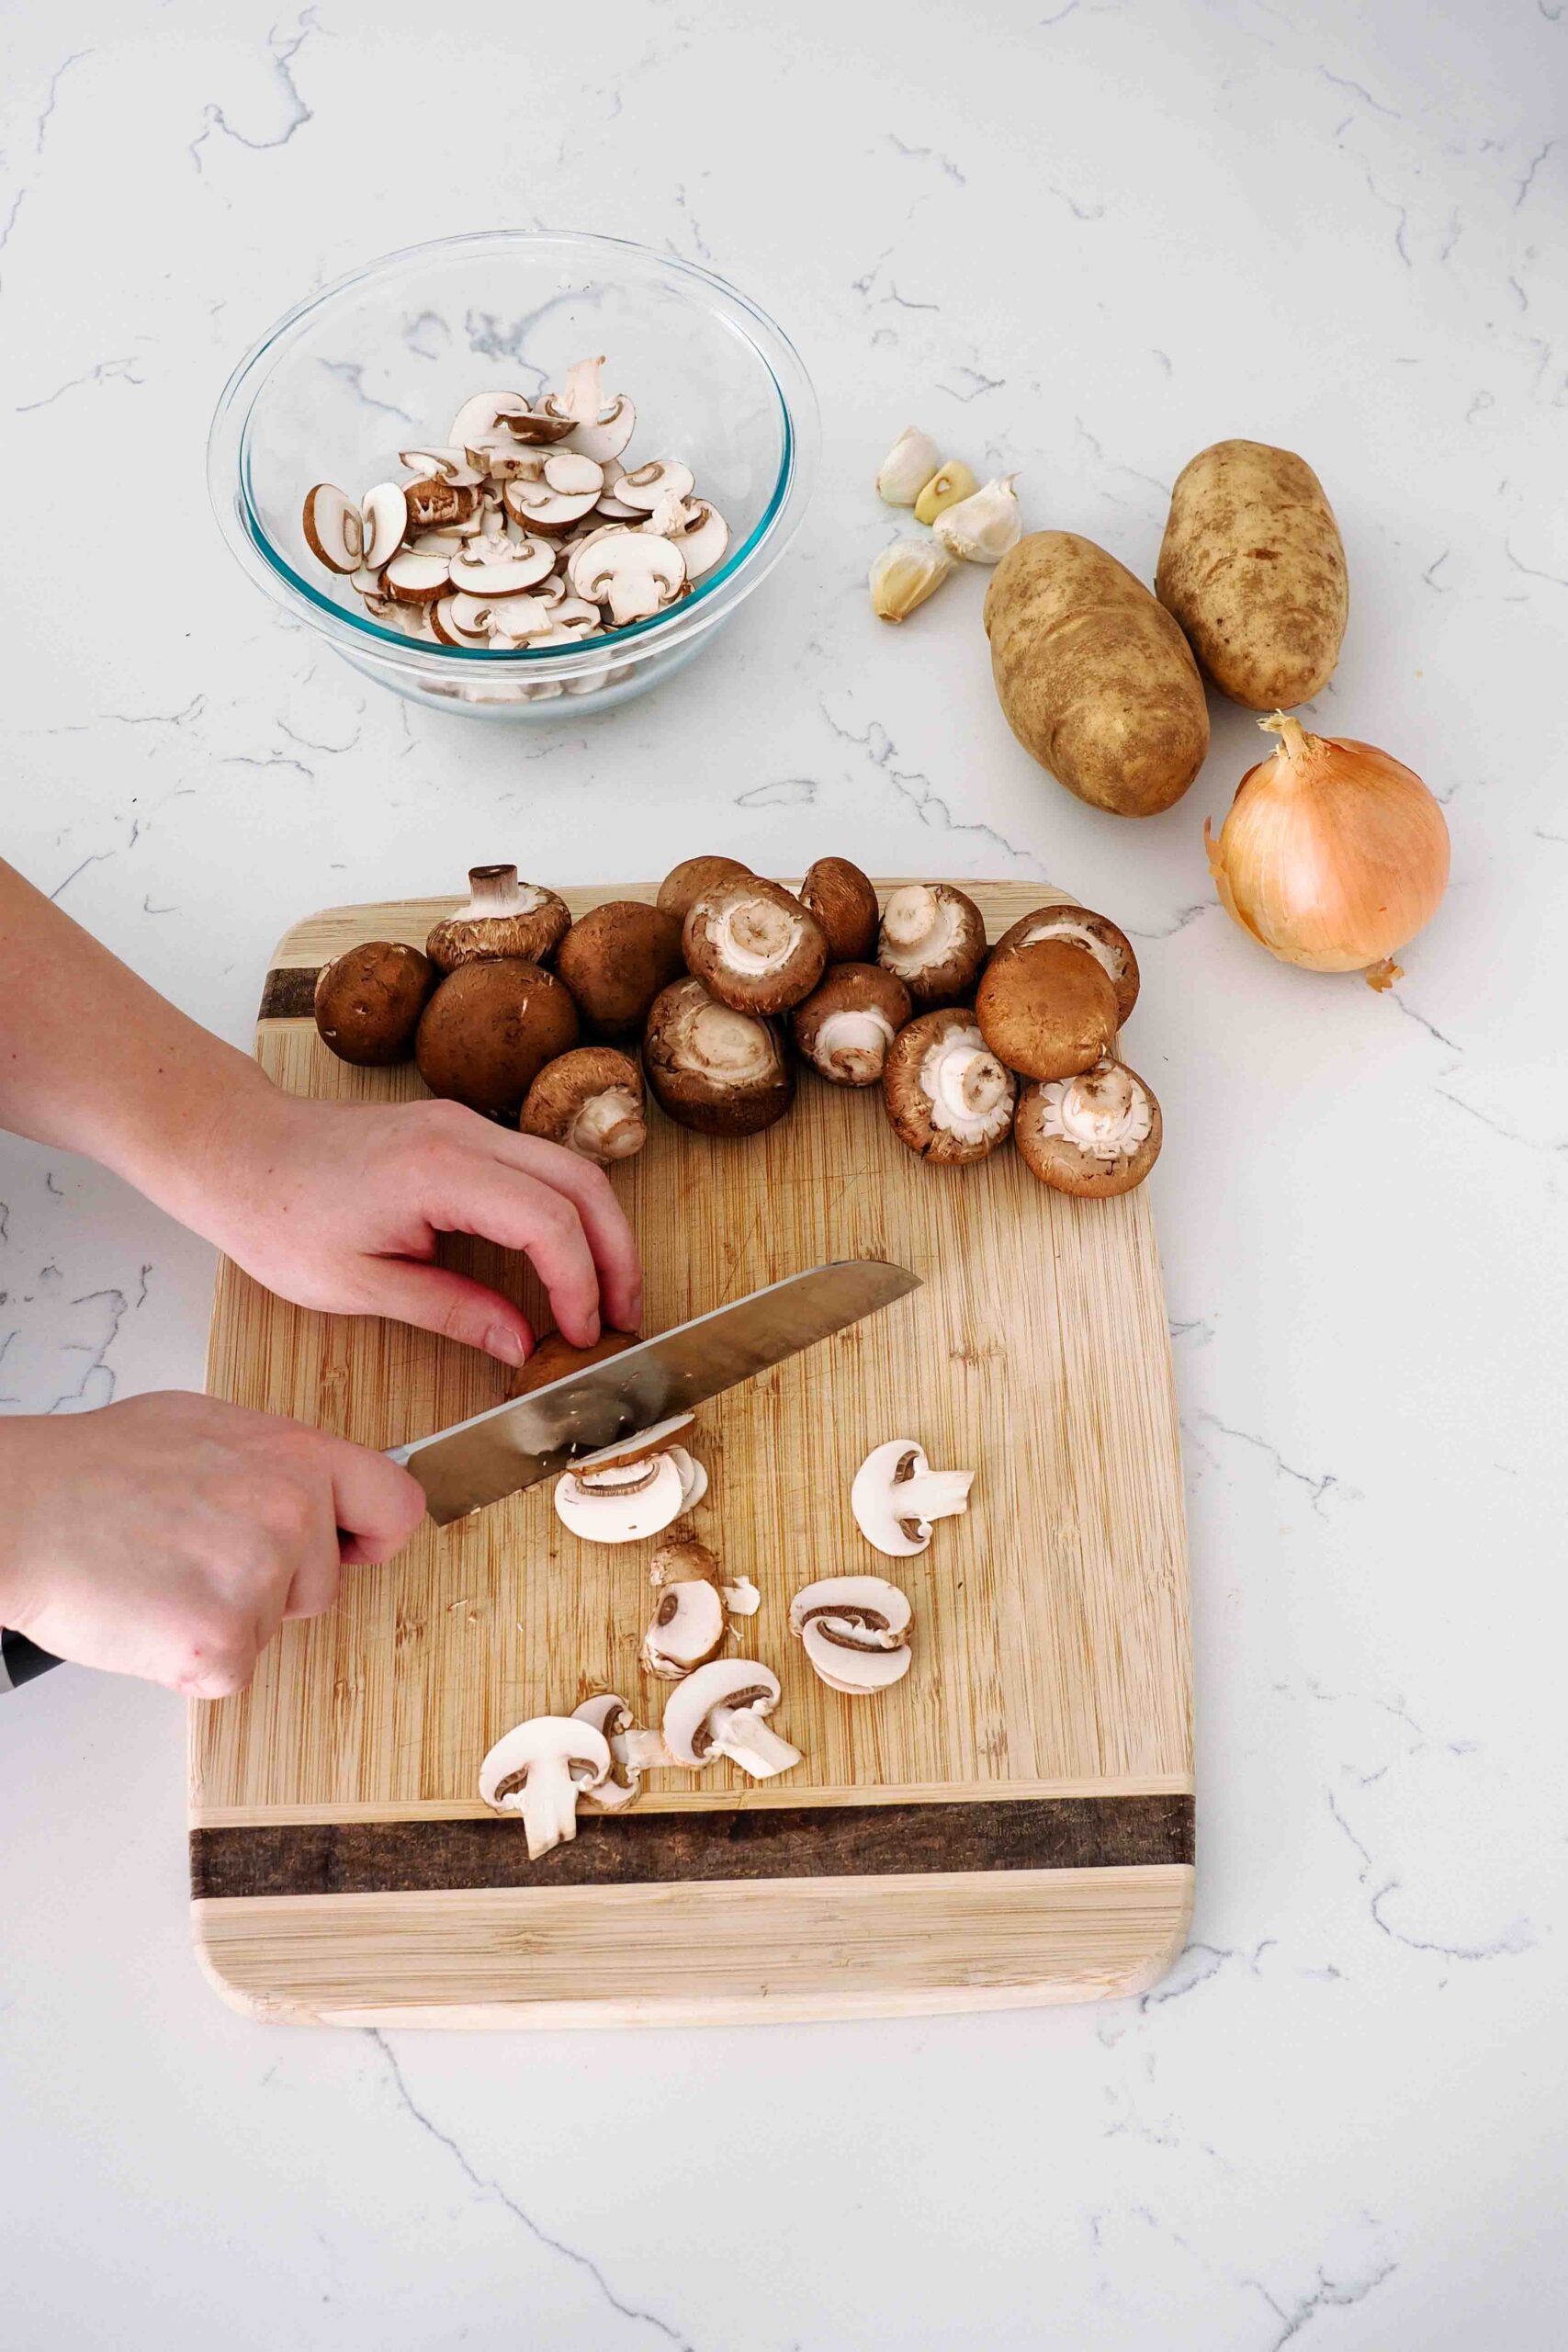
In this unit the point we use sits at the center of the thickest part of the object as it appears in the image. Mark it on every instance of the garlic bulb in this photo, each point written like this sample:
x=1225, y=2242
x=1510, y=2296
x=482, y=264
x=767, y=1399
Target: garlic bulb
x=1333, y=854
x=982, y=528
x=908, y=467
x=951, y=482
x=905, y=574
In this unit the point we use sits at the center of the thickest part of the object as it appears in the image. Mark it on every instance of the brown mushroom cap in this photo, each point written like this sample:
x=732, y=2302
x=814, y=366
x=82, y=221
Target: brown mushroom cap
x=1110, y=1096
x=502, y=918
x=1047, y=1010
x=753, y=945
x=1096, y=933
x=590, y=1101
x=933, y=937
x=986, y=1090
x=712, y=1069
x=841, y=898
x=490, y=1029
x=369, y=998
x=681, y=884
x=846, y=1025
x=615, y=959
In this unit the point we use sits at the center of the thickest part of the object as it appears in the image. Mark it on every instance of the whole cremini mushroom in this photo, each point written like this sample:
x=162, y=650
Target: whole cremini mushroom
x=1097, y=934
x=615, y=959
x=683, y=882
x=933, y=938
x=847, y=1023
x=368, y=1001
x=841, y=898
x=589, y=1100
x=490, y=1029
x=1047, y=1010
x=503, y=917
x=711, y=1069
x=1096, y=1134
x=753, y=945
x=948, y=1096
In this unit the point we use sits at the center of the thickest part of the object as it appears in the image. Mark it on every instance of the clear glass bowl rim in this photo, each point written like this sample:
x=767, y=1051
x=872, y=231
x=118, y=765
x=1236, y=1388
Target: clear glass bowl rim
x=711, y=601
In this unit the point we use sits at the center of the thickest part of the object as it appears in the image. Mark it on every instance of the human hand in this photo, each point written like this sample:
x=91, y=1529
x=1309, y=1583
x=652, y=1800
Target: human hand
x=170, y=1535
x=340, y=1205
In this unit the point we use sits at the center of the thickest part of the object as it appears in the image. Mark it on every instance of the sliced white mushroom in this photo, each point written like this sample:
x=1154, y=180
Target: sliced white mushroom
x=694, y=1477
x=519, y=620
x=629, y=570
x=688, y=1625
x=609, y=433
x=386, y=517
x=609, y=505
x=646, y=485
x=443, y=465
x=492, y=567
x=896, y=1497
x=703, y=538
x=478, y=421
x=628, y=1490
x=333, y=532
x=581, y=396
x=719, y=1711
x=633, y=1752
x=540, y=1769
x=545, y=505
x=365, y=580
x=741, y=1598
x=855, y=1631
x=445, y=543
x=415, y=579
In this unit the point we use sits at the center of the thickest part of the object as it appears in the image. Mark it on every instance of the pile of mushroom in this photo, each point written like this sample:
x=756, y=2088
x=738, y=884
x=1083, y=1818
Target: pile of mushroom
x=523, y=528
x=724, y=975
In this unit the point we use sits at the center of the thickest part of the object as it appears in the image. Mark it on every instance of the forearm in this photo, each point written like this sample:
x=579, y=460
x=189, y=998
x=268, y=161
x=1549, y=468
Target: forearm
x=95, y=1060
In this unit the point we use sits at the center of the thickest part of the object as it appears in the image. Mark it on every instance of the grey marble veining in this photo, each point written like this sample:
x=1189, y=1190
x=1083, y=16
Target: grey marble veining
x=1078, y=242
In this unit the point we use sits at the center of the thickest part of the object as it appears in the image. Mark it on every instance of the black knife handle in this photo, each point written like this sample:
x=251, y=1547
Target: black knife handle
x=21, y=1660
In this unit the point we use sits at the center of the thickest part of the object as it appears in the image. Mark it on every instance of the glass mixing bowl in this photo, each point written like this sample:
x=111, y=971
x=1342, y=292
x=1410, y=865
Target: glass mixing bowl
x=383, y=359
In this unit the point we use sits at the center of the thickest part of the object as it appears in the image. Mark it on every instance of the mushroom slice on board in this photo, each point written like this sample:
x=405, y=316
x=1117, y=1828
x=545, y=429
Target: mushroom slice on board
x=690, y=1618
x=633, y=1752
x=540, y=1770
x=896, y=1497
x=333, y=531
x=933, y=937
x=718, y=1711
x=626, y=1491
x=590, y=1101
x=855, y=1631
x=753, y=945
x=715, y=1070
x=947, y=1096
x=694, y=1483
x=1096, y=1134
x=661, y=476
x=848, y=1022
x=503, y=917
x=631, y=571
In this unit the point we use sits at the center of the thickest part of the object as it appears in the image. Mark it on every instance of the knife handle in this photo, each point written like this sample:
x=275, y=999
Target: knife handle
x=21, y=1660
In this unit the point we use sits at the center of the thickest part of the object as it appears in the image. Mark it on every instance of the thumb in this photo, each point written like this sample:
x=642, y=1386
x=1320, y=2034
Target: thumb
x=436, y=1299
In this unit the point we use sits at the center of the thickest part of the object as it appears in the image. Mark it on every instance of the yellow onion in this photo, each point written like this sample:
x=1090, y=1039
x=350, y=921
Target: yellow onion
x=1333, y=854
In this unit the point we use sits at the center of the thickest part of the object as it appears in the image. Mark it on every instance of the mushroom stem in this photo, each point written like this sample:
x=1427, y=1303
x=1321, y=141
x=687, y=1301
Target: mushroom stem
x=933, y=1494
x=741, y=1734
x=609, y=1126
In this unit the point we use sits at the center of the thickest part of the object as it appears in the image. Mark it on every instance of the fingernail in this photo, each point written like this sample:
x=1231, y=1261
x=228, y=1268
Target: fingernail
x=503, y=1342
x=594, y=1328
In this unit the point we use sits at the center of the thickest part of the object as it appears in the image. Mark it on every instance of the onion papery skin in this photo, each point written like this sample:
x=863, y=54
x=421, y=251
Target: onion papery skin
x=1333, y=855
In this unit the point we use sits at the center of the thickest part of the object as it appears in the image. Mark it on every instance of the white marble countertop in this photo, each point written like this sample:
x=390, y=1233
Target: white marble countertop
x=1082, y=239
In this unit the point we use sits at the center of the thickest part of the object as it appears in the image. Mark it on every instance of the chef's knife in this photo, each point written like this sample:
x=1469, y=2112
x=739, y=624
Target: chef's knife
x=515, y=1445
x=531, y=1437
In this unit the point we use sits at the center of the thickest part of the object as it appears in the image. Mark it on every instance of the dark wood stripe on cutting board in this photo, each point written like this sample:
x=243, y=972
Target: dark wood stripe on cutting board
x=290, y=995
x=825, y=1841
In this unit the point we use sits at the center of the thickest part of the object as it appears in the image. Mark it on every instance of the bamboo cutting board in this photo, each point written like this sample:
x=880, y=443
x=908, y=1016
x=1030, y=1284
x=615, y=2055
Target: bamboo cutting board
x=1010, y=1823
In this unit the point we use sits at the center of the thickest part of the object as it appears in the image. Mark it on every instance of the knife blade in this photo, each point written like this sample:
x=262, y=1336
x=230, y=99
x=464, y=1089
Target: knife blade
x=513, y=1446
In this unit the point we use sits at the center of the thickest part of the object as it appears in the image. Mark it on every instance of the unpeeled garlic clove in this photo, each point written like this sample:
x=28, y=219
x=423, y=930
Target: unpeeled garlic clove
x=952, y=482
x=908, y=467
x=981, y=529
x=905, y=574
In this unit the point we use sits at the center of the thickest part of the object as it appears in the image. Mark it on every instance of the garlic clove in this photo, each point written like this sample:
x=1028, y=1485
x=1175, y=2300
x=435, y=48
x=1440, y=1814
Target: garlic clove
x=905, y=574
x=950, y=483
x=982, y=528
x=908, y=467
